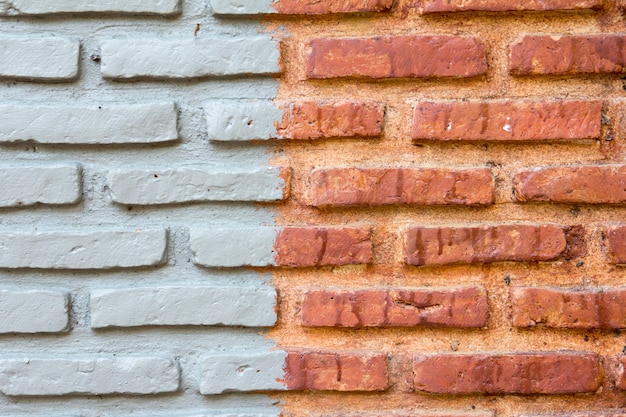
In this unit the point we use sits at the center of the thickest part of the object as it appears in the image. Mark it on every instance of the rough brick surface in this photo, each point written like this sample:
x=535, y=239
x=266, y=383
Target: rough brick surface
x=39, y=58
x=319, y=246
x=336, y=371
x=517, y=243
x=385, y=186
x=25, y=186
x=563, y=308
x=515, y=373
x=88, y=376
x=395, y=57
x=312, y=120
x=247, y=7
x=507, y=120
x=573, y=184
x=438, y=6
x=539, y=54
x=621, y=378
x=617, y=244
x=44, y=7
x=33, y=311
x=243, y=371
x=230, y=306
x=162, y=59
x=90, y=125
x=167, y=186
x=83, y=250
x=462, y=307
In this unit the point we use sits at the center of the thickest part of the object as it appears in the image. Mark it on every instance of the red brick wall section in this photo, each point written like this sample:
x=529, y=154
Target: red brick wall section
x=458, y=220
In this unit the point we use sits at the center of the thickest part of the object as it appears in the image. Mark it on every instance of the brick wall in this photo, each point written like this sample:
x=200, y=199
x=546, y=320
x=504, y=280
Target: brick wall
x=247, y=208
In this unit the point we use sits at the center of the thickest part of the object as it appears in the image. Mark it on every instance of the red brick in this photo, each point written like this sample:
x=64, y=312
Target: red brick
x=516, y=373
x=621, y=378
x=319, y=246
x=507, y=120
x=336, y=371
x=383, y=186
x=443, y=6
x=312, y=120
x=396, y=57
x=486, y=244
x=331, y=6
x=579, y=184
x=538, y=54
x=562, y=308
x=461, y=307
x=617, y=244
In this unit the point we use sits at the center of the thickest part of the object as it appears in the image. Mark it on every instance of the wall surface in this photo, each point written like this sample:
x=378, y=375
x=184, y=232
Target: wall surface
x=253, y=208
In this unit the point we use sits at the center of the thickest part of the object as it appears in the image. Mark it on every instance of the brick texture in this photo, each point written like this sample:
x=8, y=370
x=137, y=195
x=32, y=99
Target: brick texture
x=385, y=186
x=507, y=121
x=464, y=307
x=562, y=308
x=617, y=244
x=336, y=371
x=445, y=6
x=540, y=373
x=592, y=54
x=515, y=243
x=578, y=184
x=245, y=7
x=395, y=57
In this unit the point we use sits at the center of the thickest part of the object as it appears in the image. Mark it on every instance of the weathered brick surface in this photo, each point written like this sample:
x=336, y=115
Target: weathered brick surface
x=395, y=57
x=515, y=373
x=444, y=6
x=403, y=307
x=336, y=371
x=385, y=186
x=563, y=308
x=617, y=244
x=573, y=184
x=540, y=54
x=34, y=311
x=113, y=7
x=26, y=186
x=317, y=246
x=507, y=120
x=247, y=7
x=485, y=244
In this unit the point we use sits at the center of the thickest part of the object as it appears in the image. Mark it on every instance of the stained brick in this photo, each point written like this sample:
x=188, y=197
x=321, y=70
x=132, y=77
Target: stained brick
x=403, y=307
x=445, y=6
x=515, y=373
x=385, y=186
x=298, y=7
x=507, y=120
x=395, y=57
x=485, y=244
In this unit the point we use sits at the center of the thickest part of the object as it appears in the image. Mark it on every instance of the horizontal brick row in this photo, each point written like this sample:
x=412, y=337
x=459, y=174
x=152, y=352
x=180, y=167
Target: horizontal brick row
x=57, y=58
x=292, y=7
x=296, y=246
x=547, y=373
x=24, y=186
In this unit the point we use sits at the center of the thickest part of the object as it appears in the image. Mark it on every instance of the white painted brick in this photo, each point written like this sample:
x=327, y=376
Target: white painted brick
x=235, y=7
x=230, y=306
x=242, y=120
x=232, y=247
x=90, y=376
x=242, y=371
x=25, y=186
x=166, y=186
x=41, y=7
x=106, y=124
x=189, y=58
x=39, y=58
x=83, y=250
x=33, y=311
